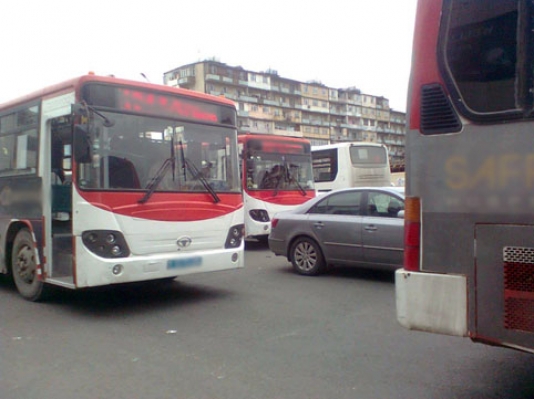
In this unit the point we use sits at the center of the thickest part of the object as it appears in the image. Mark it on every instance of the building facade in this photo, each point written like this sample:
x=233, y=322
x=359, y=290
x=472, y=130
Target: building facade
x=270, y=104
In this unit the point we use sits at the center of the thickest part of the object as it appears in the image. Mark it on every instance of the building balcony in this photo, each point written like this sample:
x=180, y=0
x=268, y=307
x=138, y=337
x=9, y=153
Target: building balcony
x=335, y=112
x=231, y=96
x=227, y=79
x=186, y=80
x=285, y=132
x=248, y=99
x=210, y=76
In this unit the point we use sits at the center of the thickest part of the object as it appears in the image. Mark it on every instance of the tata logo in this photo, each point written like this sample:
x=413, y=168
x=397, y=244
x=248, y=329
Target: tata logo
x=183, y=242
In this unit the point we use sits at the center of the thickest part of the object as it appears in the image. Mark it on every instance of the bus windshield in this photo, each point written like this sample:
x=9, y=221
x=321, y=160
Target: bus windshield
x=129, y=154
x=282, y=171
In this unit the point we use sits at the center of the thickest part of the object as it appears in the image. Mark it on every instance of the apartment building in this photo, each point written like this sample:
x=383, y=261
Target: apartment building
x=271, y=104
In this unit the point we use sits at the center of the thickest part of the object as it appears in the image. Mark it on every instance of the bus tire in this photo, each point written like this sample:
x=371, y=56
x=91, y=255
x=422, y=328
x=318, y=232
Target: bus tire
x=306, y=257
x=24, y=267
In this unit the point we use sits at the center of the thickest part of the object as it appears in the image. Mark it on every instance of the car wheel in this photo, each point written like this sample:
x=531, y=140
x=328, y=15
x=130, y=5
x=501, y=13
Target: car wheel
x=306, y=257
x=24, y=268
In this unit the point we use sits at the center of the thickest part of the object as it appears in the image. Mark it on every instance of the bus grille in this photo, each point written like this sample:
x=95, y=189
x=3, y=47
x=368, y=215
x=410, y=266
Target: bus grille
x=519, y=288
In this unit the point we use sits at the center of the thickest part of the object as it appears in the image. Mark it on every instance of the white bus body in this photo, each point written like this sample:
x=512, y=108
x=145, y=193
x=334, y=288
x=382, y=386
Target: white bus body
x=356, y=164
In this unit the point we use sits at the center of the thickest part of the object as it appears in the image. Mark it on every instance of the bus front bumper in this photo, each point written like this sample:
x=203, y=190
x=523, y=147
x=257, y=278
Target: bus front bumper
x=94, y=271
x=432, y=302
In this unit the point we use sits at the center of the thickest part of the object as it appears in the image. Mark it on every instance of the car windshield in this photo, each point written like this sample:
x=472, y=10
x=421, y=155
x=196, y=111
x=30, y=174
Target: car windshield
x=140, y=153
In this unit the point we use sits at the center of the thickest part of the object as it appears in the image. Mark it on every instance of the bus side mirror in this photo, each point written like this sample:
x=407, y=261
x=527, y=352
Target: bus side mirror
x=82, y=145
x=79, y=109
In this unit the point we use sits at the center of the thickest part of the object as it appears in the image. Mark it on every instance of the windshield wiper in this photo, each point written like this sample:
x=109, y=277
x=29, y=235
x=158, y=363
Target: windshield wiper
x=294, y=179
x=156, y=180
x=288, y=177
x=160, y=174
x=279, y=178
x=197, y=175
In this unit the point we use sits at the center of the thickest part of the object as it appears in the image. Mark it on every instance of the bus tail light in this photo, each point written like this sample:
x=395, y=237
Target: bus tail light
x=412, y=233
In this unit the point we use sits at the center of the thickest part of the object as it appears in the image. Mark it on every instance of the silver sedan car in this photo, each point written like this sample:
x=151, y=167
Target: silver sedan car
x=355, y=226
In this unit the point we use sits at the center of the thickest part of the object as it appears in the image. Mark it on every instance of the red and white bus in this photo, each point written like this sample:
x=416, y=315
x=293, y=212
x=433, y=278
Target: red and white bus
x=277, y=175
x=469, y=212
x=102, y=181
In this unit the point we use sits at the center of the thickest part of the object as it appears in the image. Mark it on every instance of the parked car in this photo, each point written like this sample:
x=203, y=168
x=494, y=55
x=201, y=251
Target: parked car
x=354, y=226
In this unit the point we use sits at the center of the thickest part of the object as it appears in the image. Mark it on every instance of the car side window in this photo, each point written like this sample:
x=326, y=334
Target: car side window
x=383, y=204
x=347, y=203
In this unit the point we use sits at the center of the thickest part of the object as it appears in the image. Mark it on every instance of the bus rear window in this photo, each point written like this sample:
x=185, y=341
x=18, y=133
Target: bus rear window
x=481, y=55
x=368, y=155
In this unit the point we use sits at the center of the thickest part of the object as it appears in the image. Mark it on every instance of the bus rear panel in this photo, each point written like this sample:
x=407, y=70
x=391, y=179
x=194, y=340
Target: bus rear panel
x=345, y=165
x=469, y=219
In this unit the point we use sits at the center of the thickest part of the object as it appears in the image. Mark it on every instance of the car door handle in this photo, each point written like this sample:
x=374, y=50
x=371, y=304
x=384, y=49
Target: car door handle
x=318, y=225
x=370, y=227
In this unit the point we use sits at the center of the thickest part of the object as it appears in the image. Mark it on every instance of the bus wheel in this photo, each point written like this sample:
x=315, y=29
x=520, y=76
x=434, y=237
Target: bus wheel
x=24, y=267
x=306, y=257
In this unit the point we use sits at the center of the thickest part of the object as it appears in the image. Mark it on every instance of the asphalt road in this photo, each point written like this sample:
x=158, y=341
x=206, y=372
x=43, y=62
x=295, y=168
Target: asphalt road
x=261, y=332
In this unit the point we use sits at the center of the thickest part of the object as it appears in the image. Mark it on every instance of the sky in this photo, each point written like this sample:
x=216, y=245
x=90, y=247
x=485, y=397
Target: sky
x=341, y=43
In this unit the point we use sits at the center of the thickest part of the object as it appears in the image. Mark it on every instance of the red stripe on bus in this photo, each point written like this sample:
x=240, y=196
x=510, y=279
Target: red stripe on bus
x=425, y=68
x=171, y=207
x=282, y=197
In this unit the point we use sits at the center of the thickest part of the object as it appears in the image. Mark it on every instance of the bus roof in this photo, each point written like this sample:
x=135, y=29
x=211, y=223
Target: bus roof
x=75, y=83
x=347, y=144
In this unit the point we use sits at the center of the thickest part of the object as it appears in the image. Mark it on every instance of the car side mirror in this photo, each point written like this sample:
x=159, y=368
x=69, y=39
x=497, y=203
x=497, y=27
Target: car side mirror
x=400, y=214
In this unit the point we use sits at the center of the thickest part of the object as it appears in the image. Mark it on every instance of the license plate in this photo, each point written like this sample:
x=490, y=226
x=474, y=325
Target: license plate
x=184, y=262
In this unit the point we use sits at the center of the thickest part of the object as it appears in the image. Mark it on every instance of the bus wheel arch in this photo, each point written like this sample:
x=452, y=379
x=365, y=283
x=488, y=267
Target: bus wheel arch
x=21, y=256
x=306, y=256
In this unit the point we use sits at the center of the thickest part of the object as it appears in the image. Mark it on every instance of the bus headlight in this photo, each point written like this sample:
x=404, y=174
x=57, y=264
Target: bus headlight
x=106, y=243
x=259, y=215
x=116, y=250
x=235, y=236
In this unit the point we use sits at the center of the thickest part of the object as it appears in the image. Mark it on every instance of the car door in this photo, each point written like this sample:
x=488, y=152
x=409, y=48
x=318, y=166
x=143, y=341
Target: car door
x=383, y=229
x=337, y=222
